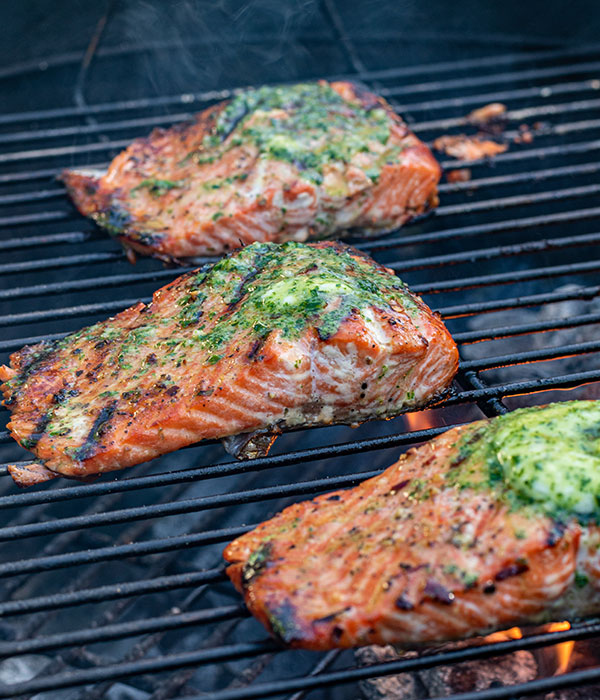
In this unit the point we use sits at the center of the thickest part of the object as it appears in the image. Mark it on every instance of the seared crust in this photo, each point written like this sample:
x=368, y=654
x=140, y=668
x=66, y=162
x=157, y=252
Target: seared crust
x=210, y=357
x=240, y=195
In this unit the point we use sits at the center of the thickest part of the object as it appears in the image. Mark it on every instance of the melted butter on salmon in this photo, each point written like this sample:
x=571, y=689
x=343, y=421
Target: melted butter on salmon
x=280, y=163
x=487, y=526
x=272, y=337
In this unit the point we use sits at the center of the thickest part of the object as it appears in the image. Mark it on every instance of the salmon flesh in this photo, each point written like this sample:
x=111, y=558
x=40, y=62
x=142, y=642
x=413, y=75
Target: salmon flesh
x=490, y=525
x=274, y=336
x=283, y=163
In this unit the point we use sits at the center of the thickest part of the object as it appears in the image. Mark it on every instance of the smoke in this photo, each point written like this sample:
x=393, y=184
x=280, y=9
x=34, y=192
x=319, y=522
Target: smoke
x=197, y=45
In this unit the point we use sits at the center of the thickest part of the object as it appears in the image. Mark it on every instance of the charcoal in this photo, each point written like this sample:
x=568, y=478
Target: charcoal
x=406, y=685
x=518, y=667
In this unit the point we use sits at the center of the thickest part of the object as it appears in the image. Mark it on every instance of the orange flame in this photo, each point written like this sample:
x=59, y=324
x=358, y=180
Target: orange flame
x=505, y=635
x=419, y=421
x=563, y=650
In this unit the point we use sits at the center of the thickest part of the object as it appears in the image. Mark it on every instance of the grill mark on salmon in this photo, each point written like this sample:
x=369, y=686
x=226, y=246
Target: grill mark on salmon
x=272, y=164
x=273, y=337
x=484, y=527
x=98, y=428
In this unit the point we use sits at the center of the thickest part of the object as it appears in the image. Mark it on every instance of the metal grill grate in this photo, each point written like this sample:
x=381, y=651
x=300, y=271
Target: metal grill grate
x=507, y=260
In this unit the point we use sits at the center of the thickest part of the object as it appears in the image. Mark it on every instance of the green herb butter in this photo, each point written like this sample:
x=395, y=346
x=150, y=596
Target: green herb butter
x=287, y=287
x=308, y=125
x=547, y=458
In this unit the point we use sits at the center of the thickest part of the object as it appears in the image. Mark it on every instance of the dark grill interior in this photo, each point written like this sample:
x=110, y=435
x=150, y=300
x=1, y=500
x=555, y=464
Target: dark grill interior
x=105, y=592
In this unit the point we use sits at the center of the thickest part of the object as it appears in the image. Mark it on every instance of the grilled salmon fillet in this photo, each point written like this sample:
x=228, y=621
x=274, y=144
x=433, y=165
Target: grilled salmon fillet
x=489, y=525
x=272, y=337
x=272, y=164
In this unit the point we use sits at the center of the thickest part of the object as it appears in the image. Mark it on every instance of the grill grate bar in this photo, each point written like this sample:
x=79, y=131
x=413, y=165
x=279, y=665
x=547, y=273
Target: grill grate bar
x=518, y=200
x=44, y=217
x=542, y=152
x=559, y=129
x=563, y=381
x=164, y=663
x=529, y=176
x=483, y=98
x=249, y=496
x=10, y=345
x=462, y=232
x=213, y=95
x=425, y=661
x=534, y=246
x=504, y=277
x=28, y=197
x=513, y=115
x=113, y=107
x=69, y=311
x=32, y=175
x=517, y=358
x=102, y=127
x=219, y=470
x=522, y=329
x=448, y=312
x=12, y=244
x=480, y=229
x=414, y=264
x=60, y=262
x=494, y=79
x=122, y=629
x=122, y=551
x=249, y=649
x=536, y=687
x=56, y=151
x=115, y=591
x=190, y=505
x=90, y=283
x=118, y=145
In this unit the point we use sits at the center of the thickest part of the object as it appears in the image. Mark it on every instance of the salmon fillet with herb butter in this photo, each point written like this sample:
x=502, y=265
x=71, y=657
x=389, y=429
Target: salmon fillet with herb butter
x=274, y=336
x=490, y=525
x=297, y=162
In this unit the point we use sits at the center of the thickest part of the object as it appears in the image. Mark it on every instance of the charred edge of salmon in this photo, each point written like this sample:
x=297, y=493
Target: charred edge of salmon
x=85, y=189
x=25, y=475
x=83, y=186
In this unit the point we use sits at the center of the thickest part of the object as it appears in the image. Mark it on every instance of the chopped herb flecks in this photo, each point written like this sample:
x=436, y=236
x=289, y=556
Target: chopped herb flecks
x=546, y=458
x=157, y=187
